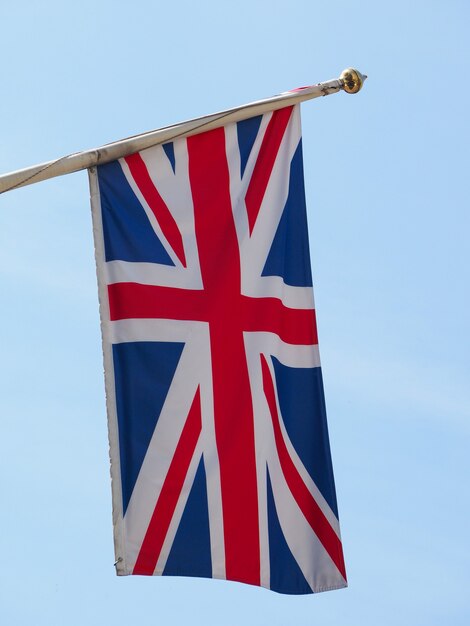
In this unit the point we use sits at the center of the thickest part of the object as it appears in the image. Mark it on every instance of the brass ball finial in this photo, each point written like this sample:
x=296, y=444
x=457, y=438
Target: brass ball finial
x=352, y=80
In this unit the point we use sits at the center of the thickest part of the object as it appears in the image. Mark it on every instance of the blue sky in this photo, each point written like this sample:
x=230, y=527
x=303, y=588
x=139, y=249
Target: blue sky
x=387, y=192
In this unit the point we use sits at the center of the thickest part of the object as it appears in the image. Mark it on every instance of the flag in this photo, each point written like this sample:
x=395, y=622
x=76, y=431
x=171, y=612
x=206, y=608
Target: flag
x=220, y=458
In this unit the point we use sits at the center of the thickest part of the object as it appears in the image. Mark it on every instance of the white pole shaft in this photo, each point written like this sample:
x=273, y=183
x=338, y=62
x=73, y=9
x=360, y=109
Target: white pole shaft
x=124, y=147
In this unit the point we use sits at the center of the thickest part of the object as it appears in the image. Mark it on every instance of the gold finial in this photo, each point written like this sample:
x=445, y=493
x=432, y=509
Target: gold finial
x=352, y=80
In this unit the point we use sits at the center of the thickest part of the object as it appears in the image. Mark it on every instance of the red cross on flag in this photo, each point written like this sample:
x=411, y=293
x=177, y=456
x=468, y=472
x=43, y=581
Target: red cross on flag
x=219, y=447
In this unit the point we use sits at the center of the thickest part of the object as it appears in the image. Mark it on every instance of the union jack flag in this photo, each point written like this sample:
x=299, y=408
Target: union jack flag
x=219, y=447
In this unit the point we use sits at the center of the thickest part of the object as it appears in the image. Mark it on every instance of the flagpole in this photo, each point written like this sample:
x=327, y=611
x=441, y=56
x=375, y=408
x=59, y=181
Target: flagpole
x=350, y=81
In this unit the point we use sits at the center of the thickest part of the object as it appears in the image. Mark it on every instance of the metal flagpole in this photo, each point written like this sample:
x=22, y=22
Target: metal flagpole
x=351, y=81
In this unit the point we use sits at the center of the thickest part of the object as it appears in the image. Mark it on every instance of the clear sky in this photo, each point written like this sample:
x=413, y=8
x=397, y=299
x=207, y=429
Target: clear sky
x=387, y=192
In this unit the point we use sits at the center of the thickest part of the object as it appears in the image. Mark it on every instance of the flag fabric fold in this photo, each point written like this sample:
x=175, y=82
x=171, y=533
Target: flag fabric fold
x=220, y=458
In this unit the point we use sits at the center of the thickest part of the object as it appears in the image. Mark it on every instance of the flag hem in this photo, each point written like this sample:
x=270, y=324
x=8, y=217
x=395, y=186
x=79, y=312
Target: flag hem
x=343, y=585
x=113, y=434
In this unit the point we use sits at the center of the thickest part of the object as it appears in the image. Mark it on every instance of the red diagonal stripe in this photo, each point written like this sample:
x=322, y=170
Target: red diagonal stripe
x=170, y=493
x=155, y=201
x=312, y=512
x=265, y=162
